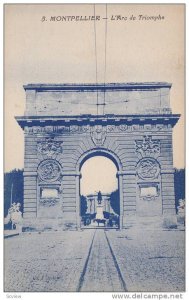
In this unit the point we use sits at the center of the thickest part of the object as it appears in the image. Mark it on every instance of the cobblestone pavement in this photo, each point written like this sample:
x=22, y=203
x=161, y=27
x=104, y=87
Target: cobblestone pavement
x=45, y=262
x=150, y=261
x=95, y=260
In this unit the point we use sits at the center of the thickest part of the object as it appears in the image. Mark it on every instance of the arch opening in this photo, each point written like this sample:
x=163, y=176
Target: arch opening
x=102, y=153
x=99, y=191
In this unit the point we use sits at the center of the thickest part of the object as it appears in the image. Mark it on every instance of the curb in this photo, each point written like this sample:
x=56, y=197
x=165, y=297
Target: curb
x=10, y=235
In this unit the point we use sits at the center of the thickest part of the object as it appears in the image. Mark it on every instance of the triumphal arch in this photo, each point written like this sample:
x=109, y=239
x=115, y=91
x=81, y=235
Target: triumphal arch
x=66, y=124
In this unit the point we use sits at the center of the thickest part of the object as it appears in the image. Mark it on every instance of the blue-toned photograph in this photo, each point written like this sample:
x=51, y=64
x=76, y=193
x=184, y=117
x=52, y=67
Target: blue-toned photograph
x=94, y=171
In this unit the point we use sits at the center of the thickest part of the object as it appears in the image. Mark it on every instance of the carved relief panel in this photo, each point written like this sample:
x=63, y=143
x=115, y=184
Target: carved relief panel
x=49, y=170
x=148, y=169
x=98, y=134
x=49, y=148
x=147, y=147
x=49, y=185
x=149, y=200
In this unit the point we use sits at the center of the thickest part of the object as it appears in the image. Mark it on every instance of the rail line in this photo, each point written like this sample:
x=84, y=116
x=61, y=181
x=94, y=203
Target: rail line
x=104, y=265
x=81, y=279
x=116, y=265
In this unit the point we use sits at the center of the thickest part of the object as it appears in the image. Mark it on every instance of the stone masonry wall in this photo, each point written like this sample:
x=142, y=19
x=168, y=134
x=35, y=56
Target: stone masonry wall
x=120, y=141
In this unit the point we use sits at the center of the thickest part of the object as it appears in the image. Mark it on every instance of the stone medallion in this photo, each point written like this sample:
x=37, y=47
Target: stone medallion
x=49, y=170
x=148, y=168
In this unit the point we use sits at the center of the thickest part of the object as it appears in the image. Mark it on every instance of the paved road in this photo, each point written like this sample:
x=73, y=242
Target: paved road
x=46, y=261
x=95, y=260
x=151, y=260
x=101, y=272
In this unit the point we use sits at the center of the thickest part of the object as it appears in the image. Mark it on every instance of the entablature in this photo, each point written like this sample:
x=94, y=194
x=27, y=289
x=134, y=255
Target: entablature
x=91, y=120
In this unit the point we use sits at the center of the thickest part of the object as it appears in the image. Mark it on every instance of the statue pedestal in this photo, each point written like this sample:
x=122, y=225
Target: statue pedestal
x=99, y=211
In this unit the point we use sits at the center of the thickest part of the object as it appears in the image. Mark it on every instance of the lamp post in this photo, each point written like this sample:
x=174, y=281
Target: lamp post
x=11, y=194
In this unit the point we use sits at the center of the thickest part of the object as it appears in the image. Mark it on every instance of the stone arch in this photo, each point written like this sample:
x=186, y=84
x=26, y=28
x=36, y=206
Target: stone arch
x=115, y=159
x=98, y=152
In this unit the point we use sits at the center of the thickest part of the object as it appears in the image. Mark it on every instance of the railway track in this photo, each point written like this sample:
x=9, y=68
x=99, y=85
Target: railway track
x=101, y=272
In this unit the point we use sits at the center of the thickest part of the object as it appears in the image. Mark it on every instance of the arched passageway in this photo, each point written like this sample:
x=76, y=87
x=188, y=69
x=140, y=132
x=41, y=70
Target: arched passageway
x=99, y=192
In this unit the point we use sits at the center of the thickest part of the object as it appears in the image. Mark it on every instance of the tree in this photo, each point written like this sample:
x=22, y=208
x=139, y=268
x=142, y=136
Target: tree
x=114, y=201
x=179, y=179
x=83, y=205
x=13, y=187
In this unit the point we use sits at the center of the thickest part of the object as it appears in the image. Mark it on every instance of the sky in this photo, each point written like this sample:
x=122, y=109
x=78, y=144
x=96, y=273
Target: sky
x=98, y=174
x=64, y=52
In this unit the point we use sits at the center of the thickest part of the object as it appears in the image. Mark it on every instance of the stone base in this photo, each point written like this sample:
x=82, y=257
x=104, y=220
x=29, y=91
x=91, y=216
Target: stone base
x=150, y=223
x=128, y=221
x=44, y=224
x=170, y=221
x=181, y=219
x=70, y=222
